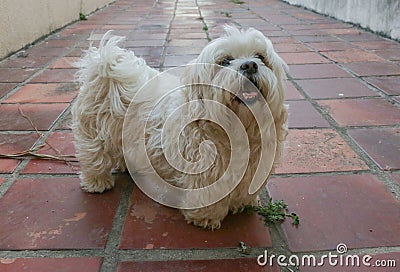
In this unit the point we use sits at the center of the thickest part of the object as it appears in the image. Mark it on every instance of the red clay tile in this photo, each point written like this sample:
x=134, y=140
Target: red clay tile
x=15, y=143
x=307, y=32
x=15, y=116
x=55, y=42
x=290, y=48
x=373, y=68
x=55, y=76
x=388, y=85
x=339, y=31
x=151, y=225
x=325, y=70
x=352, y=55
x=282, y=19
x=58, y=144
x=335, y=88
x=178, y=60
x=8, y=166
x=361, y=36
x=24, y=60
x=330, y=46
x=91, y=264
x=42, y=51
x=239, y=265
x=337, y=209
x=141, y=43
x=188, y=42
x=174, y=50
x=391, y=54
x=302, y=58
x=382, y=44
x=44, y=93
x=381, y=144
x=64, y=63
x=54, y=213
x=148, y=51
x=297, y=27
x=357, y=112
x=303, y=115
x=77, y=52
x=317, y=150
x=291, y=92
x=286, y=40
x=115, y=27
x=17, y=75
x=11, y=144
x=378, y=262
x=306, y=15
x=313, y=39
x=332, y=26
x=6, y=87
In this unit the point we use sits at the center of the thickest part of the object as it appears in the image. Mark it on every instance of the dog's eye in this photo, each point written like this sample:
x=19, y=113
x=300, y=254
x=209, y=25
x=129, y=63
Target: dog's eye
x=225, y=61
x=264, y=60
x=259, y=56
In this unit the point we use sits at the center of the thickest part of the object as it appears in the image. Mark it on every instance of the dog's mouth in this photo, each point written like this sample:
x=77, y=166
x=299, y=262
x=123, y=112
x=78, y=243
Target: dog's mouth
x=250, y=92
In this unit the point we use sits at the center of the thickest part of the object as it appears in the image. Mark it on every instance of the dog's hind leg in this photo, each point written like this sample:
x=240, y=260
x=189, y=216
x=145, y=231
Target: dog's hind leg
x=96, y=167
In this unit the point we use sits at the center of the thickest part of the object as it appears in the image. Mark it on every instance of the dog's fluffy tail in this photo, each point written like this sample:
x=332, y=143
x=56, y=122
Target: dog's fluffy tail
x=111, y=74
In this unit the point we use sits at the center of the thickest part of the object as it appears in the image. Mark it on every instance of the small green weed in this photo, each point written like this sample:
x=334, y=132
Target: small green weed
x=274, y=212
x=82, y=16
x=227, y=14
x=239, y=2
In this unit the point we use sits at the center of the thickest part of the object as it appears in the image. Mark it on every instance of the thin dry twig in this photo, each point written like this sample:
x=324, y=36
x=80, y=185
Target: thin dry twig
x=27, y=154
x=32, y=152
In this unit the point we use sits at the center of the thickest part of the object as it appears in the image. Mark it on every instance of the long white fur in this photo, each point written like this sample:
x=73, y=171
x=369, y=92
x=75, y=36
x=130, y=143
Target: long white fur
x=110, y=77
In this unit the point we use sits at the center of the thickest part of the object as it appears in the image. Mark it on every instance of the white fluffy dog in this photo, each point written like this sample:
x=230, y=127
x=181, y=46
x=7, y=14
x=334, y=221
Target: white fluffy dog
x=110, y=78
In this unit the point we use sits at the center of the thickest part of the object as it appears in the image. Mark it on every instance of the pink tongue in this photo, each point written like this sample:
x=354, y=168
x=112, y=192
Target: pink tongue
x=250, y=95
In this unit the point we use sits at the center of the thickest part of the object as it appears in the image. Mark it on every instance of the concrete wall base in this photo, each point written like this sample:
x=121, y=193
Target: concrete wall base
x=380, y=16
x=24, y=21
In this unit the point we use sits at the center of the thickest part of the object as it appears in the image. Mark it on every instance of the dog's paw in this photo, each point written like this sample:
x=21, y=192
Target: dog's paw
x=97, y=185
x=241, y=207
x=205, y=223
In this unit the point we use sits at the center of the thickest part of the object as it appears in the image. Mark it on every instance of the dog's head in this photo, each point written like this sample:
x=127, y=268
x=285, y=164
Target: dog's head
x=243, y=62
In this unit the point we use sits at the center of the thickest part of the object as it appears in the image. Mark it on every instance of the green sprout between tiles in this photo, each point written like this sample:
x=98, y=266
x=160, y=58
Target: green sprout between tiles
x=227, y=14
x=82, y=16
x=274, y=212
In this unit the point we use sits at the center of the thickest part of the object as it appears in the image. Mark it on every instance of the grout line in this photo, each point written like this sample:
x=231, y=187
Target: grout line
x=162, y=66
x=111, y=252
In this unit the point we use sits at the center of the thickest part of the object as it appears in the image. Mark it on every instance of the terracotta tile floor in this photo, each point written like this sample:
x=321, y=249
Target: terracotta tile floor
x=340, y=172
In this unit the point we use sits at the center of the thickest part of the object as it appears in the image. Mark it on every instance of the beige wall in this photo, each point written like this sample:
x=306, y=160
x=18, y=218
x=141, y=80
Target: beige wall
x=24, y=21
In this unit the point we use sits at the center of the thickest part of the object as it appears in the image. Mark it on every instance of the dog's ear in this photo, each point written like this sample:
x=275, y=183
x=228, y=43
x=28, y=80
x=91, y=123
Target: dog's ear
x=276, y=98
x=198, y=77
x=279, y=68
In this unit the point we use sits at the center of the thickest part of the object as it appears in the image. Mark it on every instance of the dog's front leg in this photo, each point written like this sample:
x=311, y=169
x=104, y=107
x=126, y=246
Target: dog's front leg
x=209, y=217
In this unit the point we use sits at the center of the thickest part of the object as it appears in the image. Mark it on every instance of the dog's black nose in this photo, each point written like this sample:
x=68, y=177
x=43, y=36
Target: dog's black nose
x=249, y=67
